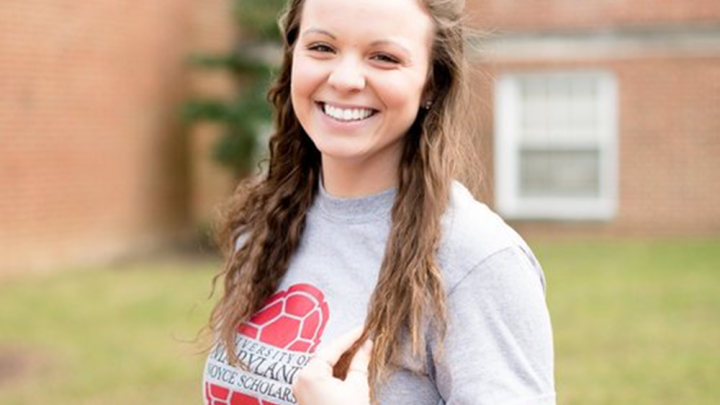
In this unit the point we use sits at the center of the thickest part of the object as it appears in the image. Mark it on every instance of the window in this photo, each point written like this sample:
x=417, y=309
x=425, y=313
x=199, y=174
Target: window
x=556, y=145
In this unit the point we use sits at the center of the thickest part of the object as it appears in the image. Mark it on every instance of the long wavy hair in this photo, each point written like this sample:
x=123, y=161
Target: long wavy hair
x=269, y=214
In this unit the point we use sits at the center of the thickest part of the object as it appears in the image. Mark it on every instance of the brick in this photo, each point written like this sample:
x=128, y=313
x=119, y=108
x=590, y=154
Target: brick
x=94, y=163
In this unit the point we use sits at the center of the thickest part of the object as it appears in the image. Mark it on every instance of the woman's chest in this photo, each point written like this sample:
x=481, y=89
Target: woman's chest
x=315, y=303
x=324, y=294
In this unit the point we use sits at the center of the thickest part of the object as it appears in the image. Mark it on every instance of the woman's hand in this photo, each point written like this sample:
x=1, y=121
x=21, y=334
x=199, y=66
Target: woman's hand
x=315, y=384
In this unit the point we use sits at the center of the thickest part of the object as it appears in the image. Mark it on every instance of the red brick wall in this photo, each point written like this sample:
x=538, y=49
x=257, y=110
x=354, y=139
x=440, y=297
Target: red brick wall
x=524, y=15
x=93, y=161
x=669, y=141
x=670, y=148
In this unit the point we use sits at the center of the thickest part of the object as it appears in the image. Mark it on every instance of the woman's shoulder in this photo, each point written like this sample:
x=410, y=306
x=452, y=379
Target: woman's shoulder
x=472, y=234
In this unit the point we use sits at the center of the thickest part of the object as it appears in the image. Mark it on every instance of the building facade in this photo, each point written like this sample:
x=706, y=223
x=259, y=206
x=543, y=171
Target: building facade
x=94, y=161
x=601, y=118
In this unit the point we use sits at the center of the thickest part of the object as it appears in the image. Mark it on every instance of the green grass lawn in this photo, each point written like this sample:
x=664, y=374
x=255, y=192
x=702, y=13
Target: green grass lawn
x=107, y=336
x=635, y=323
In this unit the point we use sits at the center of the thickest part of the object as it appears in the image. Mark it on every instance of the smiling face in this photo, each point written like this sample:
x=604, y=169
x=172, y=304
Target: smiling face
x=358, y=74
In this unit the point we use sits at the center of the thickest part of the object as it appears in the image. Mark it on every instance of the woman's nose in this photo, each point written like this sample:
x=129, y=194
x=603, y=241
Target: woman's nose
x=347, y=75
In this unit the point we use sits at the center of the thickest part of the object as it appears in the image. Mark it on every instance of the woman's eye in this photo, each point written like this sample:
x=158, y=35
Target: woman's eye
x=385, y=58
x=320, y=48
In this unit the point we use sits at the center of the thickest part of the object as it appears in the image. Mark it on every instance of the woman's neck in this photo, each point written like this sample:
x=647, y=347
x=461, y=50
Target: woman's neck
x=359, y=179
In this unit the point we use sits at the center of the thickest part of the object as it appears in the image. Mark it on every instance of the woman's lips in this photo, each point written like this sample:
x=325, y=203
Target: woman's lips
x=346, y=113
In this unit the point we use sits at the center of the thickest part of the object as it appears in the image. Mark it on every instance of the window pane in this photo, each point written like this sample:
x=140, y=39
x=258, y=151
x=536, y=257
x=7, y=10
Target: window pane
x=584, y=108
x=558, y=109
x=559, y=173
x=557, y=104
x=532, y=114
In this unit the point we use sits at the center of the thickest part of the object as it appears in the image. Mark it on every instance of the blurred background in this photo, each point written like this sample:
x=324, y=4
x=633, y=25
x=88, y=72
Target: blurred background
x=124, y=125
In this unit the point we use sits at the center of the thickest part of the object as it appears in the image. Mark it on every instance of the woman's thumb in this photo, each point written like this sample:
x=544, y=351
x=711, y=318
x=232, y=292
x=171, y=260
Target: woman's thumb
x=360, y=362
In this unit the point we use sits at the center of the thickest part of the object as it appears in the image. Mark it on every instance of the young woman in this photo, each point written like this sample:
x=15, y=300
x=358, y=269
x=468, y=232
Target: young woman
x=359, y=222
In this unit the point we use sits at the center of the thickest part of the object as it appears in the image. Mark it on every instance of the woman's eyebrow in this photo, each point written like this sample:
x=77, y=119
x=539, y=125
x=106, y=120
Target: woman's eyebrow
x=318, y=31
x=390, y=42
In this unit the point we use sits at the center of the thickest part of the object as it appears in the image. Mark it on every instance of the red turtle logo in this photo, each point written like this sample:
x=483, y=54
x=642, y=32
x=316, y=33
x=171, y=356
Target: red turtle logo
x=292, y=320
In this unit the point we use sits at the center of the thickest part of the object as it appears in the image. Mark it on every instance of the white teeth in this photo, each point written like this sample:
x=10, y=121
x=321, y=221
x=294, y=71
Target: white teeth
x=350, y=114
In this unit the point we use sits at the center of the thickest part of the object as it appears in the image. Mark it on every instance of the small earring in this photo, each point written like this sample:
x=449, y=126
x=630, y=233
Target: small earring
x=428, y=104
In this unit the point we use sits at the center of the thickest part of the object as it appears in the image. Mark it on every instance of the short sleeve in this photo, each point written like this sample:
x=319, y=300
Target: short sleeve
x=498, y=349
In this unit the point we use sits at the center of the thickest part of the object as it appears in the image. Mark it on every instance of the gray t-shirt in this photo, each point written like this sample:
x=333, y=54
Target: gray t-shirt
x=498, y=348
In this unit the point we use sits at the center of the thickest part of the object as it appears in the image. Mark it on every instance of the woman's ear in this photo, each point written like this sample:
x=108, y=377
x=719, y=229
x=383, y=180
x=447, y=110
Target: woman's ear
x=426, y=99
x=429, y=89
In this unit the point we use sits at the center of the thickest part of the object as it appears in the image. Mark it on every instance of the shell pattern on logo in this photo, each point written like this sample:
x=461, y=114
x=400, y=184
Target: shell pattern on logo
x=292, y=320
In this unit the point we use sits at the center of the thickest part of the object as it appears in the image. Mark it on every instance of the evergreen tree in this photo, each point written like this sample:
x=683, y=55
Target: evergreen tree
x=247, y=116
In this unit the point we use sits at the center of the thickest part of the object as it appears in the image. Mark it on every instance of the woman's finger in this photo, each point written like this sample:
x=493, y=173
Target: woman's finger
x=316, y=384
x=359, y=365
x=332, y=351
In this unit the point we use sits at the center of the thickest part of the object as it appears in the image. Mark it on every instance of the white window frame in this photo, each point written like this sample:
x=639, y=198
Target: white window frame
x=509, y=202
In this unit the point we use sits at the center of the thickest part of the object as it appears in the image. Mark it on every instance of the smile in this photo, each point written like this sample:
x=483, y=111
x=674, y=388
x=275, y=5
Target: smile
x=347, y=114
